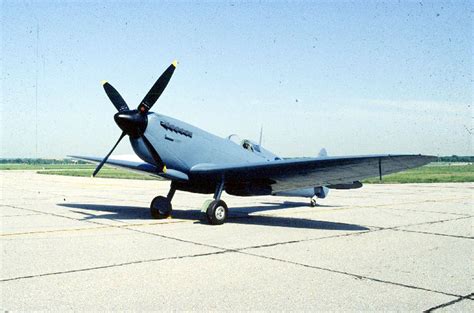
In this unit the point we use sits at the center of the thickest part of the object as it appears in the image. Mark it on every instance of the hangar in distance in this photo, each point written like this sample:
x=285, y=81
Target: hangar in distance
x=197, y=161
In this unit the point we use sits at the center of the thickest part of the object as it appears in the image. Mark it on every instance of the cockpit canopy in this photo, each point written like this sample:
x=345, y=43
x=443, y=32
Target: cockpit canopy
x=249, y=145
x=253, y=147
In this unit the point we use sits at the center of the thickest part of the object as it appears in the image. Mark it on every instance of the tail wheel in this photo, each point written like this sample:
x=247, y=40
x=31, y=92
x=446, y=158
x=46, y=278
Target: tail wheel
x=160, y=208
x=217, y=212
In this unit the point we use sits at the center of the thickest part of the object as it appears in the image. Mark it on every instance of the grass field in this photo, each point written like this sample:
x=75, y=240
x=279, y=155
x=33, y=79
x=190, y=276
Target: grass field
x=105, y=172
x=45, y=166
x=432, y=173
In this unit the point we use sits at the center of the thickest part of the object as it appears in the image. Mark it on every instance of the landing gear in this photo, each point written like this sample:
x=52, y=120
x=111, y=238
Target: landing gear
x=161, y=207
x=216, y=210
x=312, y=202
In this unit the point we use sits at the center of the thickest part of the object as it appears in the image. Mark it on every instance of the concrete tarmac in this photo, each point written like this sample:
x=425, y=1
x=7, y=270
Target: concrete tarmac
x=84, y=244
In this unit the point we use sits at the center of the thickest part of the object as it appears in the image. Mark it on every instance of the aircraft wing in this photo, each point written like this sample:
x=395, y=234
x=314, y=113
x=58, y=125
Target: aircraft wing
x=131, y=163
x=135, y=164
x=290, y=174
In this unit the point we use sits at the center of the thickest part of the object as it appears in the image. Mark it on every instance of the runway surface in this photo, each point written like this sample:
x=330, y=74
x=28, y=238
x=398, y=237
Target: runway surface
x=80, y=244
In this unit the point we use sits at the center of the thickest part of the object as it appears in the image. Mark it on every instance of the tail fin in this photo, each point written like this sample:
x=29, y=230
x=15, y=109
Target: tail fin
x=323, y=153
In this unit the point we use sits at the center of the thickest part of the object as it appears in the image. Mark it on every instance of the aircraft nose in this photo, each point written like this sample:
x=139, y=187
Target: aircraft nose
x=131, y=122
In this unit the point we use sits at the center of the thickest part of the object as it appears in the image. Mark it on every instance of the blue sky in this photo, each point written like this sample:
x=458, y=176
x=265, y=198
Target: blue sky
x=353, y=77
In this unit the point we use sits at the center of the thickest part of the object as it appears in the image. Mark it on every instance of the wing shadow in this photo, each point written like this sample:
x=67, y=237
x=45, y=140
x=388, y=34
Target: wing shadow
x=270, y=206
x=240, y=215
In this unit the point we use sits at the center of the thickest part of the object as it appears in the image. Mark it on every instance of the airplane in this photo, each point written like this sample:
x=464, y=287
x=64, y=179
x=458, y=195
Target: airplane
x=199, y=162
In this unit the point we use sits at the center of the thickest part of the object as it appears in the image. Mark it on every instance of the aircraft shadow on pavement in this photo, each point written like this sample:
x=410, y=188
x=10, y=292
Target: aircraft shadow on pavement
x=237, y=215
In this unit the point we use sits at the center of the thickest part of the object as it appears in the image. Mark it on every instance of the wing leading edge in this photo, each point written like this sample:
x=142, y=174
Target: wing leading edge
x=125, y=163
x=292, y=174
x=132, y=163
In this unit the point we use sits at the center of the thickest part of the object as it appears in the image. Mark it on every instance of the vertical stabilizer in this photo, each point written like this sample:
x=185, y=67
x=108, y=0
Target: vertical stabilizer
x=323, y=153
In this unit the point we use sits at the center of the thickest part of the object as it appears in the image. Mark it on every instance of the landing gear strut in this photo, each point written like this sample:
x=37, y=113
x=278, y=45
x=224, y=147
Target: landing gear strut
x=216, y=210
x=161, y=207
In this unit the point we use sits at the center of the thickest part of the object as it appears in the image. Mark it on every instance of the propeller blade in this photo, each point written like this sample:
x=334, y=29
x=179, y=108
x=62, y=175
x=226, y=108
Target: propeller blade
x=157, y=89
x=115, y=97
x=97, y=169
x=158, y=161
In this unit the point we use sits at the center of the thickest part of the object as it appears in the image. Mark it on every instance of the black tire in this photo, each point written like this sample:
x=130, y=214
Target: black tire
x=160, y=208
x=217, y=212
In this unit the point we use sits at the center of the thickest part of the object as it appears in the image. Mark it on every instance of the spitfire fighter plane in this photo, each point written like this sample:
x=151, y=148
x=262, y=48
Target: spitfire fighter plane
x=197, y=161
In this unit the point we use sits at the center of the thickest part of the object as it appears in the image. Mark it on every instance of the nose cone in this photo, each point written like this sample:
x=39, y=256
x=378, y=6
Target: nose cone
x=131, y=122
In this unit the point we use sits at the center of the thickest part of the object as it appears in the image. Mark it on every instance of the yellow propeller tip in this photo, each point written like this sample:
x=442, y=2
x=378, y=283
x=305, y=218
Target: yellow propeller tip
x=103, y=82
x=175, y=63
x=164, y=169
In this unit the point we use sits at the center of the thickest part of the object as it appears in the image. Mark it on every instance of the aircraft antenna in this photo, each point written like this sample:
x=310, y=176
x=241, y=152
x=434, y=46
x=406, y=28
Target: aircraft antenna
x=36, y=90
x=261, y=135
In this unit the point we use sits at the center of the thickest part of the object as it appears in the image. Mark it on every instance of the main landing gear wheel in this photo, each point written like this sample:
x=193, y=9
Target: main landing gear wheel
x=216, y=212
x=160, y=208
x=312, y=202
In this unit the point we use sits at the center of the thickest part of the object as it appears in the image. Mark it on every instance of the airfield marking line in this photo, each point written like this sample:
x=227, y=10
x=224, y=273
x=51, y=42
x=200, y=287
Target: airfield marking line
x=52, y=214
x=20, y=215
x=124, y=226
x=443, y=305
x=52, y=231
x=101, y=225
x=113, y=265
x=351, y=274
x=104, y=226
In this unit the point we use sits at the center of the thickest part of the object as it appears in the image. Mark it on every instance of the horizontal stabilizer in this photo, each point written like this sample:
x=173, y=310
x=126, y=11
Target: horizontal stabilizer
x=354, y=185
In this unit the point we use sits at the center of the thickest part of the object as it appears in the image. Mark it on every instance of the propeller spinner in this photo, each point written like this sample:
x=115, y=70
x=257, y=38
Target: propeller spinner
x=134, y=122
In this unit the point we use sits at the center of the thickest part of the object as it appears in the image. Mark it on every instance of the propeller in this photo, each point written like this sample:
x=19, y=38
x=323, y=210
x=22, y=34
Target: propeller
x=97, y=169
x=157, y=89
x=134, y=122
x=115, y=97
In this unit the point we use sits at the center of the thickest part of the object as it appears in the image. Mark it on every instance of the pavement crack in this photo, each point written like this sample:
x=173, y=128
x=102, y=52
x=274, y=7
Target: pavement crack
x=180, y=240
x=114, y=265
x=431, y=233
x=358, y=276
x=435, y=222
x=443, y=305
x=53, y=214
x=306, y=240
x=428, y=211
